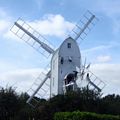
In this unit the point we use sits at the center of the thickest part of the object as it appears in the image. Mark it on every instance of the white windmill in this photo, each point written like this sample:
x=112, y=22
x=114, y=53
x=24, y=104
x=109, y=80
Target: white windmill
x=66, y=71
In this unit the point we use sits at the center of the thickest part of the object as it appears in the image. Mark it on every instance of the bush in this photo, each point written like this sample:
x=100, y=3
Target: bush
x=83, y=116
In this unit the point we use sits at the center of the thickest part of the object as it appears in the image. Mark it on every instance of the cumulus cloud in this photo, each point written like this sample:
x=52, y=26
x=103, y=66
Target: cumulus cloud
x=3, y=25
x=21, y=79
x=109, y=73
x=5, y=66
x=52, y=25
x=49, y=24
x=102, y=58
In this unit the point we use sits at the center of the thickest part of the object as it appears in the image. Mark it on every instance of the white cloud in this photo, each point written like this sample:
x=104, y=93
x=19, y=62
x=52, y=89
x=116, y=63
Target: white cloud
x=10, y=36
x=53, y=25
x=103, y=58
x=5, y=66
x=98, y=48
x=110, y=74
x=3, y=25
x=22, y=79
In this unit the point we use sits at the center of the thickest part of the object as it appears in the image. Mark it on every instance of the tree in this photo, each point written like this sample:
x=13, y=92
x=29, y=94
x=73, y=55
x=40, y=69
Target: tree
x=9, y=104
x=13, y=105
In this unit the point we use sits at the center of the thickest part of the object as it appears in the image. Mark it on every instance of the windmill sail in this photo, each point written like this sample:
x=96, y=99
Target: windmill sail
x=32, y=37
x=82, y=28
x=40, y=88
x=94, y=82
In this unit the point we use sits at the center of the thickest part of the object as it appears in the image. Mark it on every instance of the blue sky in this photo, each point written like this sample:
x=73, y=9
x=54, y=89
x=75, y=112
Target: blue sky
x=20, y=64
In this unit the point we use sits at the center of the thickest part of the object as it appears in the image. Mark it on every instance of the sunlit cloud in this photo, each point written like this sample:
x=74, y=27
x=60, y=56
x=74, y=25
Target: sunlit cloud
x=21, y=79
x=52, y=25
x=109, y=73
x=49, y=25
x=3, y=25
x=103, y=58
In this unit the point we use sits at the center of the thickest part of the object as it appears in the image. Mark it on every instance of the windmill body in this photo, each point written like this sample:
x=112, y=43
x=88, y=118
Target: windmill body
x=64, y=62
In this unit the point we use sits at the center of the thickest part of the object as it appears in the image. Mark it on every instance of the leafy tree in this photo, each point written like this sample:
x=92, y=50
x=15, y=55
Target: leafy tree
x=13, y=105
x=9, y=104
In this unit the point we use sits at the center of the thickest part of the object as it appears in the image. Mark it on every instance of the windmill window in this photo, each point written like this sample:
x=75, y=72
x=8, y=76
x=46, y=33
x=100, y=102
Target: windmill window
x=62, y=60
x=69, y=45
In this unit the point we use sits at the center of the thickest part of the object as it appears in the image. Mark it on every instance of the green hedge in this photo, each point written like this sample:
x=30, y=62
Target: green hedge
x=83, y=116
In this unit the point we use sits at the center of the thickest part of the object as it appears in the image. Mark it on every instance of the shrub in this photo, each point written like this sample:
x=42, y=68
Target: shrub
x=83, y=116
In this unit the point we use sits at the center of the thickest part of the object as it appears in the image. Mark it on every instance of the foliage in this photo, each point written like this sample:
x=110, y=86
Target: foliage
x=83, y=116
x=9, y=103
x=13, y=105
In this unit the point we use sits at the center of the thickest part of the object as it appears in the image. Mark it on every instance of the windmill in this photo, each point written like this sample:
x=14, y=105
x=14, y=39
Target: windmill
x=66, y=69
